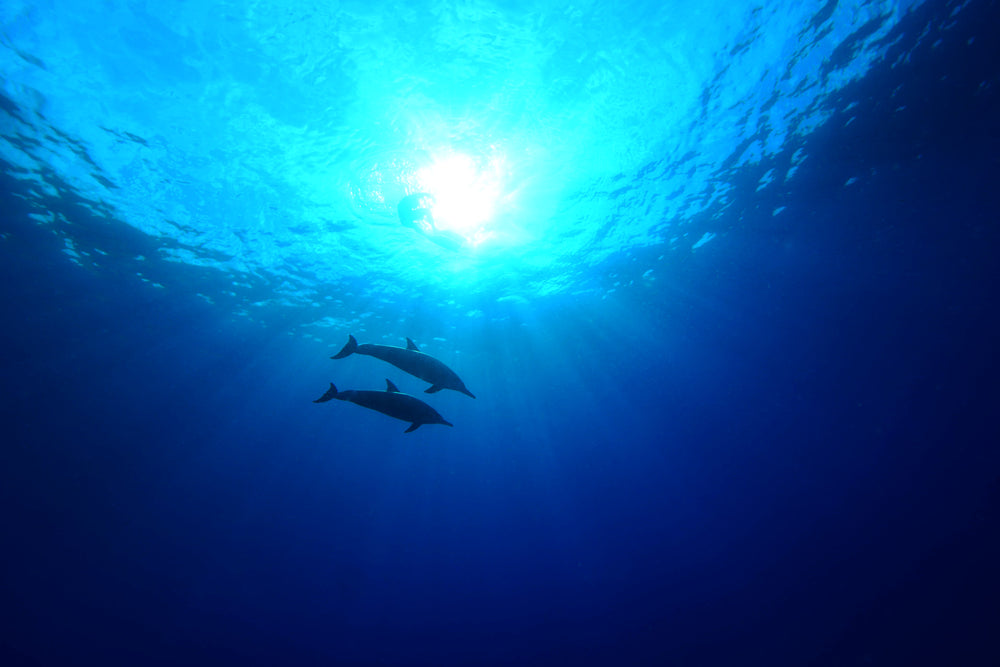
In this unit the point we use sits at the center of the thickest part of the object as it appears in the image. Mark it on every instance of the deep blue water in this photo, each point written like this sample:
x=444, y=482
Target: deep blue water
x=734, y=350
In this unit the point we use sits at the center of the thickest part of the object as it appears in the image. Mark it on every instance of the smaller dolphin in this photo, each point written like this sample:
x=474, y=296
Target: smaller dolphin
x=410, y=360
x=390, y=402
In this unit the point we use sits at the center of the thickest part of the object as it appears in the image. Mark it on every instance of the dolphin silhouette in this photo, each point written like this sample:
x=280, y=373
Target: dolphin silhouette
x=410, y=360
x=390, y=402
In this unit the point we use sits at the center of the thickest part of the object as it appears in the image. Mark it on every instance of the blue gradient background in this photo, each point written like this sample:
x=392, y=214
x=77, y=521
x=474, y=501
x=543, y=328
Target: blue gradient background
x=775, y=447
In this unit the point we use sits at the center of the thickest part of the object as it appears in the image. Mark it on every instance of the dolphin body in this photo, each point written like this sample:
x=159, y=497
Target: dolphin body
x=410, y=360
x=390, y=402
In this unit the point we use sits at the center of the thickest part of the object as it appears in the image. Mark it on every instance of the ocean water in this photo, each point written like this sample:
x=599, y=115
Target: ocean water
x=726, y=296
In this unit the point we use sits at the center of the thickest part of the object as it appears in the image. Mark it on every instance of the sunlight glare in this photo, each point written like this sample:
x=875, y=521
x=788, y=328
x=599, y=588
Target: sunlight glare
x=466, y=194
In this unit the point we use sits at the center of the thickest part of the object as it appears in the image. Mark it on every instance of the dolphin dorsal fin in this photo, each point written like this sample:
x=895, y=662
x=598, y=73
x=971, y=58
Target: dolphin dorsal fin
x=389, y=386
x=410, y=345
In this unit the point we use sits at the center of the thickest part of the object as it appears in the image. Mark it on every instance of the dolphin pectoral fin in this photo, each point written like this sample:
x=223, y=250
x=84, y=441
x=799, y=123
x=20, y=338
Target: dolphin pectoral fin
x=413, y=427
x=330, y=393
x=389, y=386
x=352, y=345
x=433, y=389
x=410, y=345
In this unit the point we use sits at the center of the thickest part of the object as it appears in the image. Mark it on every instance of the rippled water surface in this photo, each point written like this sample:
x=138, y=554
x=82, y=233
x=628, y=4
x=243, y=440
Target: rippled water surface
x=271, y=141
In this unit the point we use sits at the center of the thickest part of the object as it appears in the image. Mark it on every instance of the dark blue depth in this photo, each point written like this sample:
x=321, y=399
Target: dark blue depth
x=785, y=453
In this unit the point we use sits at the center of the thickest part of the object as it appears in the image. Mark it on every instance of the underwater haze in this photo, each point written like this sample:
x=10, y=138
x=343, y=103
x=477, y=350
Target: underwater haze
x=705, y=295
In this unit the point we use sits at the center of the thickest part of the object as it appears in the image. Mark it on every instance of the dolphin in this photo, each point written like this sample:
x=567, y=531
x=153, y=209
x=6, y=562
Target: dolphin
x=410, y=360
x=390, y=402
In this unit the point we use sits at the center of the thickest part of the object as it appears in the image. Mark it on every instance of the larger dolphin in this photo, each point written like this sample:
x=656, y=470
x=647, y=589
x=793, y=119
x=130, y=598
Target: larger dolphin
x=390, y=402
x=411, y=360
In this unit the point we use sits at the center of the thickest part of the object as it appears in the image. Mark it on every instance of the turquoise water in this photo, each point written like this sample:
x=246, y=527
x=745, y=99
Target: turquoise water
x=271, y=141
x=726, y=300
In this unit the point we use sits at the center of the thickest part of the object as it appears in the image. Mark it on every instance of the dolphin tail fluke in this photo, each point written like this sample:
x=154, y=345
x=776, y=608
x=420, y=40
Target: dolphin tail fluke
x=413, y=427
x=352, y=345
x=330, y=393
